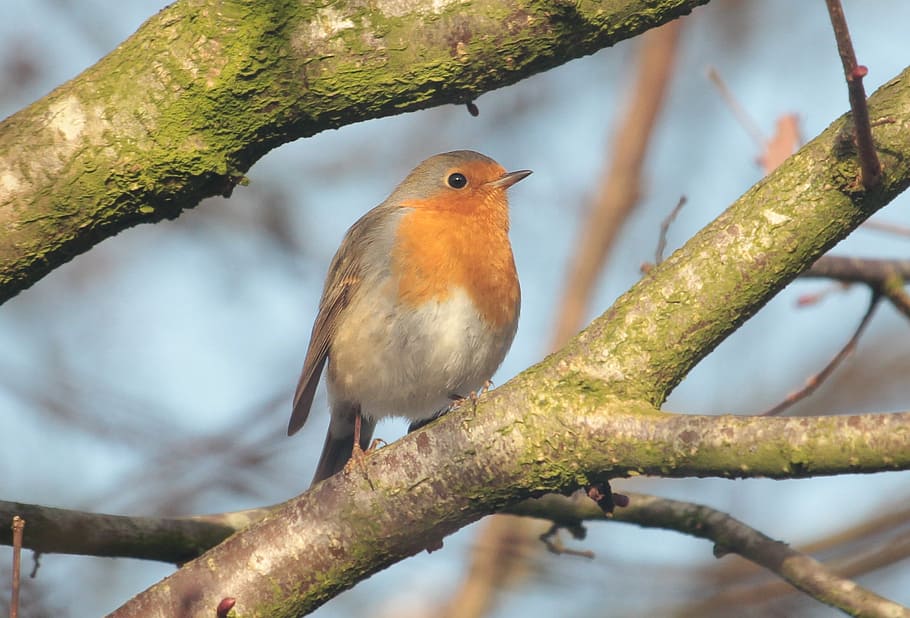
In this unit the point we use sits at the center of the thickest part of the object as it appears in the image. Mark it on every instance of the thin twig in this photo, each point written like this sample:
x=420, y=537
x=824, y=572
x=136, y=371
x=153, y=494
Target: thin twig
x=893, y=290
x=871, y=169
x=870, y=271
x=18, y=527
x=819, y=378
x=665, y=227
x=738, y=110
x=887, y=276
x=884, y=226
x=551, y=539
x=854, y=565
x=844, y=542
x=772, y=151
x=733, y=536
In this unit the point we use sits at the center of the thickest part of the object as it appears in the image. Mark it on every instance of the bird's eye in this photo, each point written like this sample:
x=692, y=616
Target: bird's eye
x=457, y=180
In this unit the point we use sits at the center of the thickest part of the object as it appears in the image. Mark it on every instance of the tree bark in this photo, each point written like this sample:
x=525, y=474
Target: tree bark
x=183, y=108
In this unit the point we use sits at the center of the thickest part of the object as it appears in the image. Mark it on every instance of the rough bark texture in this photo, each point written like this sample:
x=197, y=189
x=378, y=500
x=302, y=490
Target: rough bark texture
x=466, y=465
x=185, y=106
x=609, y=442
x=654, y=334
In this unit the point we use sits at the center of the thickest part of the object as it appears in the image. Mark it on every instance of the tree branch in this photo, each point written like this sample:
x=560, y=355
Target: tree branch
x=654, y=443
x=681, y=310
x=340, y=531
x=184, y=107
x=732, y=536
x=870, y=167
x=872, y=272
x=167, y=539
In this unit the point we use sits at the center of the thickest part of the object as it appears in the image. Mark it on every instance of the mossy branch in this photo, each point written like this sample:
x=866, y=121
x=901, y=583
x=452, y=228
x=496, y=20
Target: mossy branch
x=469, y=464
x=183, y=108
x=654, y=334
x=608, y=440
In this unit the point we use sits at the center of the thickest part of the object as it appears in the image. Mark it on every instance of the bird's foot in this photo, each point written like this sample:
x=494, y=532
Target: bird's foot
x=473, y=396
x=359, y=457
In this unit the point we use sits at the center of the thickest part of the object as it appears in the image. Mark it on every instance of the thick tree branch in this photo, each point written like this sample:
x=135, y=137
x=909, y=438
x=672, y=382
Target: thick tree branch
x=341, y=530
x=184, y=107
x=168, y=539
x=585, y=442
x=681, y=310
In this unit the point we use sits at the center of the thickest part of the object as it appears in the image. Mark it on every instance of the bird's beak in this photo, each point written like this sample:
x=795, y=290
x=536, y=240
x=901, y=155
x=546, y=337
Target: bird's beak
x=507, y=180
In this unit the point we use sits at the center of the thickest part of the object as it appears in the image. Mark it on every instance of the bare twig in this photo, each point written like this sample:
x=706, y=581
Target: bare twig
x=893, y=290
x=738, y=110
x=858, y=270
x=733, y=536
x=871, y=169
x=853, y=565
x=18, y=526
x=884, y=226
x=551, y=539
x=773, y=151
x=867, y=533
x=665, y=227
x=887, y=277
x=819, y=378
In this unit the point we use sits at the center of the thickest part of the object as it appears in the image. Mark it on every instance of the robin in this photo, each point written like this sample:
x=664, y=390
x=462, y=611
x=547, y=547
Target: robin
x=420, y=304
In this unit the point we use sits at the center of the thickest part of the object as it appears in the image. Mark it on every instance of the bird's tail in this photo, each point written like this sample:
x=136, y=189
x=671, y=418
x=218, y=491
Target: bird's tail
x=339, y=441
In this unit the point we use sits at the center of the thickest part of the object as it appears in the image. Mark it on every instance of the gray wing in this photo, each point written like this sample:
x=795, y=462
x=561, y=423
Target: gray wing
x=344, y=278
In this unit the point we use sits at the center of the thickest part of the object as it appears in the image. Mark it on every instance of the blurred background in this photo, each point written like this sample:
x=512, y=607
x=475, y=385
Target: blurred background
x=153, y=375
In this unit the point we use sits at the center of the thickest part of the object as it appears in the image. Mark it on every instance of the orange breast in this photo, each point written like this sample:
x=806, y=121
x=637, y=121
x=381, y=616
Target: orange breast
x=438, y=248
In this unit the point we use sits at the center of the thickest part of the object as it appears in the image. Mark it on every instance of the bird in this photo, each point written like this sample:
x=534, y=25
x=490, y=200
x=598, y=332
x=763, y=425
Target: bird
x=420, y=304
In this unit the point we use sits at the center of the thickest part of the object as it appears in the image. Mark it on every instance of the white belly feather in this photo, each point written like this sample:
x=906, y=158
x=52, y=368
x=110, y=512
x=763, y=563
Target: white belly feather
x=409, y=363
